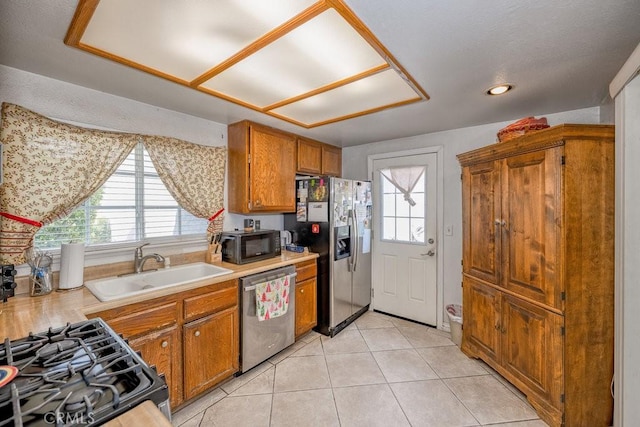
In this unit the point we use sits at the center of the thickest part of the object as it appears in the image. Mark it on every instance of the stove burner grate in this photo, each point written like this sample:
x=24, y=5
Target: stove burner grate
x=76, y=375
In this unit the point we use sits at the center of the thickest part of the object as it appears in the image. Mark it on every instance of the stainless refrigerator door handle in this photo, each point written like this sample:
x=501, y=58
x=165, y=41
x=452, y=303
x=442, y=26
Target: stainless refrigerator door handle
x=357, y=240
x=352, y=248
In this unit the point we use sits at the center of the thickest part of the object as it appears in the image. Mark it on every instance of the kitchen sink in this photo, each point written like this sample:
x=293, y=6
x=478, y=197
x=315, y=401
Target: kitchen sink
x=134, y=284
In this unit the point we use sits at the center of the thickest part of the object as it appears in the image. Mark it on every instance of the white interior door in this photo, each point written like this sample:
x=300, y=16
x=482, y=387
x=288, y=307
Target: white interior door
x=405, y=240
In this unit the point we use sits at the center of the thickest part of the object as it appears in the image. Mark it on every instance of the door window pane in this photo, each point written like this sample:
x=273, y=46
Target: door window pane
x=417, y=211
x=402, y=229
x=389, y=204
x=402, y=206
x=389, y=229
x=417, y=230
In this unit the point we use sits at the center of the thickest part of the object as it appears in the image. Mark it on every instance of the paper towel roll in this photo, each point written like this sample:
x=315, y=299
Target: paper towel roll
x=71, y=265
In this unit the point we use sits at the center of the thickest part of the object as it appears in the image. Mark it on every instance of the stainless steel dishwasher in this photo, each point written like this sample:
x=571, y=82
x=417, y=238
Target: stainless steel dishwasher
x=259, y=340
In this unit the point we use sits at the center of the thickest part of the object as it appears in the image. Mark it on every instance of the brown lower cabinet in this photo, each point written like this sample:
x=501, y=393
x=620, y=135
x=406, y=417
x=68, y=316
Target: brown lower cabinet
x=306, y=297
x=191, y=337
x=210, y=351
x=162, y=349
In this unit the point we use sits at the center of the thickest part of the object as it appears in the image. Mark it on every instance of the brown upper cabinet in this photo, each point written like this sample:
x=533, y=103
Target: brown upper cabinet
x=317, y=158
x=262, y=171
x=309, y=157
x=263, y=163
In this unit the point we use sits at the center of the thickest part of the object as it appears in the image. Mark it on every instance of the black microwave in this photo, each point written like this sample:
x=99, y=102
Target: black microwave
x=239, y=247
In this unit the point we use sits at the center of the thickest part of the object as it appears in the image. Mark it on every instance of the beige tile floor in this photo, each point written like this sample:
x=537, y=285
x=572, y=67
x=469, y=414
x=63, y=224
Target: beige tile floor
x=380, y=371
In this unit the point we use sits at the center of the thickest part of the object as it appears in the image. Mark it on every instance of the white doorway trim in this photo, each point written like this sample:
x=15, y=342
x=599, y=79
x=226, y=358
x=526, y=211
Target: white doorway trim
x=438, y=150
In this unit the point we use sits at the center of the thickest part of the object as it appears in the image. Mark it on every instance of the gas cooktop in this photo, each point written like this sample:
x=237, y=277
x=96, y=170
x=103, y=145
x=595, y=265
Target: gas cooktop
x=80, y=374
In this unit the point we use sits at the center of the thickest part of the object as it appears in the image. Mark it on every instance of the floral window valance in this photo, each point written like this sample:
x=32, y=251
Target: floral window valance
x=50, y=168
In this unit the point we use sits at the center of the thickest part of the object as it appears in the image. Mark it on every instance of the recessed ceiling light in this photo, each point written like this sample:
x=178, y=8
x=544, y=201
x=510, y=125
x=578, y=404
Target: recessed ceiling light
x=499, y=89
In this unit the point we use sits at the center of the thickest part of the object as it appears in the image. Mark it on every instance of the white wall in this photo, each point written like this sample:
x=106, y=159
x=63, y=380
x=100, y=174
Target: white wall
x=79, y=105
x=627, y=354
x=354, y=165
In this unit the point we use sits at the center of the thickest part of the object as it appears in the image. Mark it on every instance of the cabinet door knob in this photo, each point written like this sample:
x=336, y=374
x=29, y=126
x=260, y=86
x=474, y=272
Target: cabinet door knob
x=164, y=344
x=302, y=291
x=501, y=222
x=197, y=333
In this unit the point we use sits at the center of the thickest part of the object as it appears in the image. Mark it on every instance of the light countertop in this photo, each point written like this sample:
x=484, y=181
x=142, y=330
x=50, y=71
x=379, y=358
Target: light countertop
x=23, y=314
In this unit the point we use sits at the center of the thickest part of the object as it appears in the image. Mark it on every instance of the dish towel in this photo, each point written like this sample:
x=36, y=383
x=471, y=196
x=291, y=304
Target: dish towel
x=272, y=298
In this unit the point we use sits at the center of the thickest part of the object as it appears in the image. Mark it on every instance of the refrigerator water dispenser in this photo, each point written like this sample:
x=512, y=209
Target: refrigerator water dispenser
x=342, y=242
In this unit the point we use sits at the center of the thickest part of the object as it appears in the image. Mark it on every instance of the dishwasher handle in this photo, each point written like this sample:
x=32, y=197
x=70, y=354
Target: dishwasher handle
x=252, y=287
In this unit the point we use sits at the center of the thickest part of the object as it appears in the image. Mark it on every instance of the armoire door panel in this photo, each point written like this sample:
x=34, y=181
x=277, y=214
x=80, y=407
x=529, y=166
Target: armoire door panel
x=530, y=234
x=481, y=314
x=532, y=346
x=481, y=199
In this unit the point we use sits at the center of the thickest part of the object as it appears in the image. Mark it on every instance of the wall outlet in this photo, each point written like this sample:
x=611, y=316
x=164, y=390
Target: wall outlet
x=448, y=230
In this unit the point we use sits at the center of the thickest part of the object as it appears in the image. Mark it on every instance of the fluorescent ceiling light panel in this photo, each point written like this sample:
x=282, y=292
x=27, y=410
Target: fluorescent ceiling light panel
x=184, y=39
x=323, y=51
x=372, y=93
x=304, y=61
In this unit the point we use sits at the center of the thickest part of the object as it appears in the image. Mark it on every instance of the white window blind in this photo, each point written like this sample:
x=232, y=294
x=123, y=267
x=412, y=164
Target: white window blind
x=132, y=206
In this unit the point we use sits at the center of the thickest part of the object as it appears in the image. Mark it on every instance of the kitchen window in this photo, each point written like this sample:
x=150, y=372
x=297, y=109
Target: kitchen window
x=132, y=206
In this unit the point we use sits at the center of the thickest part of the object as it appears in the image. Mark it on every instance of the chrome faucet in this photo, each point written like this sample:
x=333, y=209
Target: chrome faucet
x=139, y=260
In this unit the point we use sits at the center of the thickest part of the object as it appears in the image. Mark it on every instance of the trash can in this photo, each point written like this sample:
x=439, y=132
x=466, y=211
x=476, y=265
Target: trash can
x=454, y=311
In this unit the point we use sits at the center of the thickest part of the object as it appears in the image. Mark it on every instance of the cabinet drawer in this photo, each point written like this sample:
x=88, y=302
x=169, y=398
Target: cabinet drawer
x=145, y=320
x=210, y=302
x=306, y=270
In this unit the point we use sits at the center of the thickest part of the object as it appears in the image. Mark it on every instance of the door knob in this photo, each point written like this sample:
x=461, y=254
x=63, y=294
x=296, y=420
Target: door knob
x=165, y=344
x=197, y=333
x=431, y=252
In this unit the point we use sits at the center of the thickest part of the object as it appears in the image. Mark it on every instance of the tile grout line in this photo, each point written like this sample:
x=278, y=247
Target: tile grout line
x=333, y=395
x=389, y=385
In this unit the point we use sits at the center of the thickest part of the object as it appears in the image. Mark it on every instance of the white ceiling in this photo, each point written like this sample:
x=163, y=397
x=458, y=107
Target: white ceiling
x=559, y=55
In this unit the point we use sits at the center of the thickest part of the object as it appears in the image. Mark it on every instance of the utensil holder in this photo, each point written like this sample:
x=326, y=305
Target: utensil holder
x=213, y=254
x=40, y=281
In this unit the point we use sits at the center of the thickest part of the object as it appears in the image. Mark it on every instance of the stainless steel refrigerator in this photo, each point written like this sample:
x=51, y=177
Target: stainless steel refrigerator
x=333, y=218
